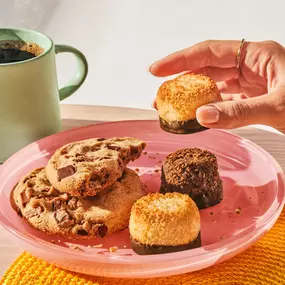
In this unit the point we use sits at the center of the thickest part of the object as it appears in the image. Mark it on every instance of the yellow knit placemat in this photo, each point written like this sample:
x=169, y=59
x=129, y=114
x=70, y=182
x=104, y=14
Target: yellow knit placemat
x=263, y=263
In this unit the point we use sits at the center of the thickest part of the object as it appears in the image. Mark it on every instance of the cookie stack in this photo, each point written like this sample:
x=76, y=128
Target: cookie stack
x=85, y=190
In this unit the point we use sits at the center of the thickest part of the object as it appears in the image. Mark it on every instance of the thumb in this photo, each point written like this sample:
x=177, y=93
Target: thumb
x=234, y=114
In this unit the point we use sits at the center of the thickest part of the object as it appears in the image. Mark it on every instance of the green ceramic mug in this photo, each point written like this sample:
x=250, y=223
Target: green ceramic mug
x=29, y=95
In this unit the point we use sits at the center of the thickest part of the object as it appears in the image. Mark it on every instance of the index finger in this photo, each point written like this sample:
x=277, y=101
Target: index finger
x=208, y=53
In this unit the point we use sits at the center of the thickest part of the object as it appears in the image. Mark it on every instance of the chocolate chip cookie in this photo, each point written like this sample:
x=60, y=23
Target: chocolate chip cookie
x=85, y=168
x=48, y=210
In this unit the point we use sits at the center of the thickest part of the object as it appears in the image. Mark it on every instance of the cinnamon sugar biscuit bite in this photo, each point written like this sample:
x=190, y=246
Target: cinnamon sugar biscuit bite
x=178, y=99
x=164, y=223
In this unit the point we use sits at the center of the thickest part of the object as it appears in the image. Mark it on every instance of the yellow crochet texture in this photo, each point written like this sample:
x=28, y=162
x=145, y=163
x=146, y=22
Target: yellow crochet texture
x=263, y=263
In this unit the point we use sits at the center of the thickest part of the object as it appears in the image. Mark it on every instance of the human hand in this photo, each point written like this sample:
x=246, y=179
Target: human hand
x=252, y=94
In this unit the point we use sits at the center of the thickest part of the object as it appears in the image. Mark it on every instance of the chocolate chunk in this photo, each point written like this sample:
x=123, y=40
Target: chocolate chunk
x=24, y=198
x=31, y=213
x=102, y=230
x=65, y=172
x=64, y=151
x=134, y=151
x=35, y=203
x=72, y=203
x=143, y=249
x=113, y=147
x=19, y=213
x=100, y=139
x=56, y=204
x=30, y=183
x=34, y=212
x=82, y=232
x=26, y=179
x=63, y=218
x=181, y=127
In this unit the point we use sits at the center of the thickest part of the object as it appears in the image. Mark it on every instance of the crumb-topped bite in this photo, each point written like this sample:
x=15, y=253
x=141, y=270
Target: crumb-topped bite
x=193, y=171
x=178, y=99
x=53, y=212
x=164, y=223
x=84, y=168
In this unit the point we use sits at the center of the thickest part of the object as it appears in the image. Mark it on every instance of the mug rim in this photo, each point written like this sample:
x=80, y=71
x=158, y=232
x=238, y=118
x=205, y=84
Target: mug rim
x=33, y=58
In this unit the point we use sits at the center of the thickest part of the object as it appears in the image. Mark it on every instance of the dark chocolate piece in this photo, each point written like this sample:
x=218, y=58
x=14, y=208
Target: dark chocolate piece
x=102, y=230
x=143, y=249
x=181, y=127
x=203, y=197
x=82, y=232
x=65, y=172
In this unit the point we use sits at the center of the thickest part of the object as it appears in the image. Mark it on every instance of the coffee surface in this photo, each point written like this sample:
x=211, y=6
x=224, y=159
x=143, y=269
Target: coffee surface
x=16, y=51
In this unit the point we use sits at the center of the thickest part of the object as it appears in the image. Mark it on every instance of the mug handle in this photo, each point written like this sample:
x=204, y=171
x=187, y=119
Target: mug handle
x=79, y=77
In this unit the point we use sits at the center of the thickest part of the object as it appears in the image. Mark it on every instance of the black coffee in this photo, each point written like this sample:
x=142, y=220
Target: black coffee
x=15, y=51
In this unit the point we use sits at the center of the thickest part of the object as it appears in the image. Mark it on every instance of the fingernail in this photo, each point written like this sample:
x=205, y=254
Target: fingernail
x=208, y=114
x=153, y=105
x=150, y=67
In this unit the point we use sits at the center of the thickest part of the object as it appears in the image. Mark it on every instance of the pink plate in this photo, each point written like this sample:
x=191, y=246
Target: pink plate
x=253, y=200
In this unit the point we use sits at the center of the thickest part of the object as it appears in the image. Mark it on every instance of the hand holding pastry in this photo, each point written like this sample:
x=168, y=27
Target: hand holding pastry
x=253, y=92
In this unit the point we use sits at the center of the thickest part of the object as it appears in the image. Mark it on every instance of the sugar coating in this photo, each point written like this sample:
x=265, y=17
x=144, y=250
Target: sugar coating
x=179, y=98
x=166, y=220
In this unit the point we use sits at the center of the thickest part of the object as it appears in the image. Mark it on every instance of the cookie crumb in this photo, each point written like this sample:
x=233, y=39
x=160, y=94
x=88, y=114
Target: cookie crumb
x=144, y=152
x=137, y=170
x=212, y=213
x=159, y=161
x=238, y=210
x=89, y=246
x=53, y=241
x=59, y=240
x=156, y=170
x=157, y=153
x=76, y=247
x=221, y=237
x=113, y=249
x=98, y=245
x=125, y=246
x=249, y=198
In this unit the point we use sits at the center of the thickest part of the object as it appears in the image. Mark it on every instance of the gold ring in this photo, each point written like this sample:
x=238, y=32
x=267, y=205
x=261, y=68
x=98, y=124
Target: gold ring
x=239, y=53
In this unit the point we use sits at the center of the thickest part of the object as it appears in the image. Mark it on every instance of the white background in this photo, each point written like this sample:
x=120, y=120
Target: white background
x=121, y=38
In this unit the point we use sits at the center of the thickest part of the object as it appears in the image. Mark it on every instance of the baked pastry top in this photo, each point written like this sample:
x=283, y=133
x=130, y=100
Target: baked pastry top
x=164, y=220
x=179, y=98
